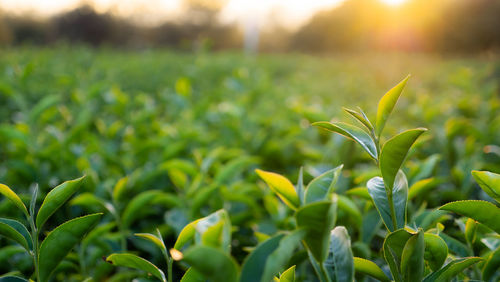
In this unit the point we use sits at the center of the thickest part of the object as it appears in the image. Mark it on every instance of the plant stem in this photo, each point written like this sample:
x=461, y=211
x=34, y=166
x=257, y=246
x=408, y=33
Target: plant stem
x=393, y=211
x=319, y=269
x=34, y=240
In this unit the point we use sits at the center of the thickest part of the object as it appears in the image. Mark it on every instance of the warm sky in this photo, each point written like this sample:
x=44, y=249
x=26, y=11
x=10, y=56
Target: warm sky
x=291, y=11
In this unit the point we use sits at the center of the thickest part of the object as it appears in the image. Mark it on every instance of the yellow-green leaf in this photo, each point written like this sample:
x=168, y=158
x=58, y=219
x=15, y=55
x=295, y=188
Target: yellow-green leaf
x=56, y=198
x=281, y=186
x=481, y=211
x=386, y=105
x=133, y=261
x=394, y=153
x=489, y=182
x=11, y=195
x=367, y=267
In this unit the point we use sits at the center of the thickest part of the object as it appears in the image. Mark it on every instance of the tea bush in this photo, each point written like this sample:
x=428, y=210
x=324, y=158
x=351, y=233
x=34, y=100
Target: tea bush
x=180, y=154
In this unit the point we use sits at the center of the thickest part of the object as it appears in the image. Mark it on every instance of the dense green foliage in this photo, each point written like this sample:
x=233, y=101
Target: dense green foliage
x=206, y=165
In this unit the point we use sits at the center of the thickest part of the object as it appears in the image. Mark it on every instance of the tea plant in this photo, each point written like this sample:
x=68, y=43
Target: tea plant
x=48, y=253
x=412, y=255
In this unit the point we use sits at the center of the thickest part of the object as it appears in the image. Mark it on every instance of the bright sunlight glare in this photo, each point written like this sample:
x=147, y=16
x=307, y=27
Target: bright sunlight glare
x=393, y=2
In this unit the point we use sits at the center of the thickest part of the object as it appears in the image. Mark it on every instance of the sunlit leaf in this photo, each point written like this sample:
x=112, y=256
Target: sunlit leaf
x=288, y=275
x=11, y=195
x=367, y=267
x=281, y=186
x=386, y=105
x=361, y=118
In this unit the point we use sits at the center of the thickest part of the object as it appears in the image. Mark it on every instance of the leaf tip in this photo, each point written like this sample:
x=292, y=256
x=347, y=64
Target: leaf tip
x=176, y=254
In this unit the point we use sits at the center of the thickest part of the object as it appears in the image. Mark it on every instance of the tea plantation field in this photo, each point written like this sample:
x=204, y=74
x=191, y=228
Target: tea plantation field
x=164, y=139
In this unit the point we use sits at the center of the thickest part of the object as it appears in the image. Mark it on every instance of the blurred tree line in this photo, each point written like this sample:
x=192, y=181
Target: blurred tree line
x=355, y=25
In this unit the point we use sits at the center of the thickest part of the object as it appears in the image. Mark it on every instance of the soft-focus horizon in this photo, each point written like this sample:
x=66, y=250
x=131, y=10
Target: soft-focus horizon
x=293, y=12
x=321, y=26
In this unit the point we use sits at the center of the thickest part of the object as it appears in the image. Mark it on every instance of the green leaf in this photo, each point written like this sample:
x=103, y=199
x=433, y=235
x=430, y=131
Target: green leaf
x=454, y=245
x=282, y=187
x=135, y=207
x=197, y=229
x=192, y=275
x=120, y=188
x=300, y=186
x=318, y=219
x=89, y=200
x=491, y=266
x=412, y=258
x=135, y=262
x=213, y=263
x=12, y=228
x=288, y=275
x=436, y=251
x=367, y=267
x=489, y=182
x=11, y=233
x=452, y=269
x=481, y=211
x=470, y=230
x=386, y=105
x=361, y=192
x=270, y=257
x=56, y=198
x=255, y=263
x=348, y=206
x=321, y=187
x=279, y=258
x=377, y=191
x=153, y=239
x=11, y=195
x=393, y=247
x=61, y=240
x=394, y=153
x=352, y=132
x=361, y=117
x=422, y=186
x=34, y=197
x=12, y=279
x=342, y=254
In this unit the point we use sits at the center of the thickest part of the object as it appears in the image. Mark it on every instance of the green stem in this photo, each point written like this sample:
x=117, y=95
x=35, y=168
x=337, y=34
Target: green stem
x=169, y=265
x=319, y=269
x=34, y=240
x=393, y=211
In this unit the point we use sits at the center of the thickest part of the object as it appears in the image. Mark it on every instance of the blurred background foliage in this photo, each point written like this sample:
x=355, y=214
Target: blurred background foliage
x=352, y=25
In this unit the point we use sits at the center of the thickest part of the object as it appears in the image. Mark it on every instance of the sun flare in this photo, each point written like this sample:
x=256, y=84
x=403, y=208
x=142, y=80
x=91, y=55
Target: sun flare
x=393, y=2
